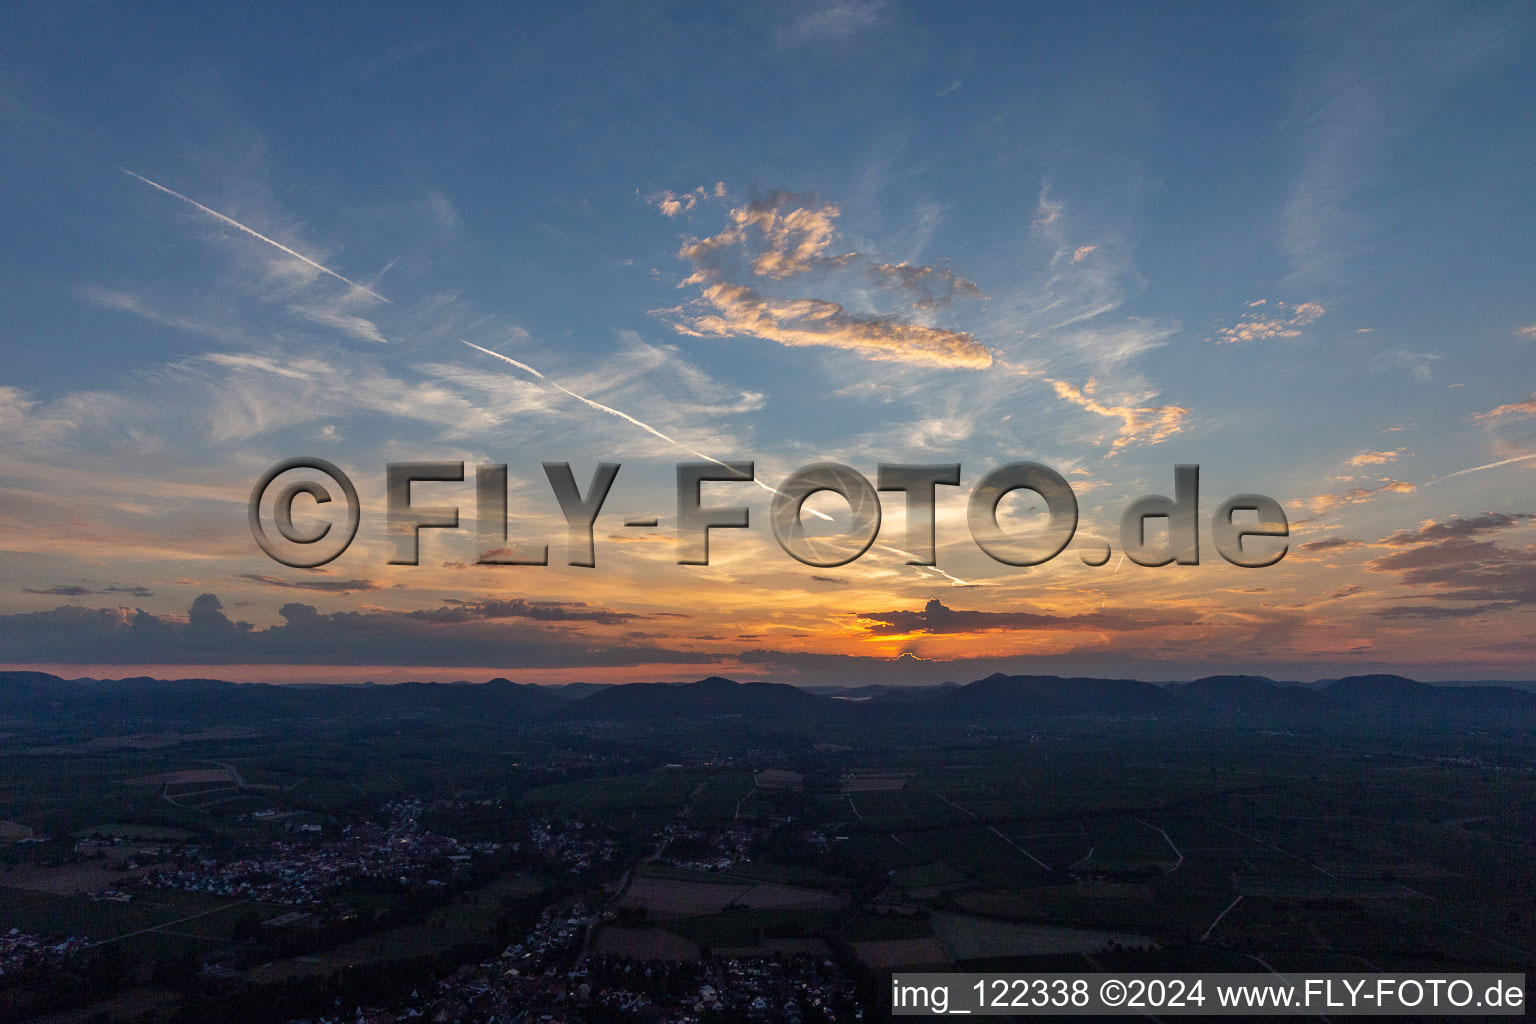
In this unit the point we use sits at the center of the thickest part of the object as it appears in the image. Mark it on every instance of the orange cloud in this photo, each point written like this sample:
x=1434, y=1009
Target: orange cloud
x=1522, y=408
x=1147, y=423
x=1375, y=458
x=1287, y=322
x=672, y=203
x=806, y=322
x=1355, y=495
x=786, y=235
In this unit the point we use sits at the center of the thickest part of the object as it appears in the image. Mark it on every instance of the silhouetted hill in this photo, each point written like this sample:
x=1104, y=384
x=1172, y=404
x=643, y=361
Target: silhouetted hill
x=998, y=699
x=1400, y=692
x=1378, y=689
x=878, y=691
x=34, y=694
x=1246, y=694
x=574, y=691
x=705, y=698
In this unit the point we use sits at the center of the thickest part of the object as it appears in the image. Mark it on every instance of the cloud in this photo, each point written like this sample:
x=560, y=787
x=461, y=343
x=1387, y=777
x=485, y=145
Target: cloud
x=833, y=19
x=780, y=235
x=626, y=417
x=512, y=633
x=1458, y=528
x=673, y=203
x=518, y=608
x=789, y=235
x=126, y=302
x=1521, y=409
x=1369, y=458
x=1286, y=322
x=1528, y=332
x=1420, y=365
x=1373, y=75
x=1081, y=252
x=1331, y=544
x=251, y=361
x=255, y=234
x=799, y=323
x=1435, y=611
x=1479, y=469
x=1451, y=559
x=1325, y=503
x=310, y=583
x=1148, y=424
x=934, y=287
x=937, y=618
x=1047, y=210
x=352, y=326
x=69, y=590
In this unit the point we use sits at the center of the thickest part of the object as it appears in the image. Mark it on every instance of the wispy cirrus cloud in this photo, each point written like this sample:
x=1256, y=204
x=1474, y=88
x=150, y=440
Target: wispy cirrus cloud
x=315, y=264
x=1373, y=74
x=1144, y=424
x=136, y=305
x=353, y=326
x=1287, y=321
x=1324, y=503
x=834, y=19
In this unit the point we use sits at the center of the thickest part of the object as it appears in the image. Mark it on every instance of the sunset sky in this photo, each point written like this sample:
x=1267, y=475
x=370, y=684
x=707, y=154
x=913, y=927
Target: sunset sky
x=1293, y=244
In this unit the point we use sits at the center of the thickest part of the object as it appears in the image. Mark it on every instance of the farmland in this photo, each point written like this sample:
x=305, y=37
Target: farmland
x=331, y=859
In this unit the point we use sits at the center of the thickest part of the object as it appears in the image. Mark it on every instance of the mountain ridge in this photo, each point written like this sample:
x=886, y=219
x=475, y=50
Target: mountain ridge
x=994, y=698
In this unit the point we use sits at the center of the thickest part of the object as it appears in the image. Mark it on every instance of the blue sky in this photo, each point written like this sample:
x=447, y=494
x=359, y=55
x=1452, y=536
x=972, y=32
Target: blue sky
x=1291, y=243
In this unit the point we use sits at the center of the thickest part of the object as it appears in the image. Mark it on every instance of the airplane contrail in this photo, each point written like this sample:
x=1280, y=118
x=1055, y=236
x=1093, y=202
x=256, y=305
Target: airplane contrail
x=599, y=405
x=1476, y=469
x=957, y=581
x=255, y=234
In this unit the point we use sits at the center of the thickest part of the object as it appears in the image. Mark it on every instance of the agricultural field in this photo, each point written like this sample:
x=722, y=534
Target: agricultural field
x=1073, y=845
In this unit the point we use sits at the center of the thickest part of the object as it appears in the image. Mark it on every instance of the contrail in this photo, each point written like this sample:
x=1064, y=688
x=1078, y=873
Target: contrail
x=1476, y=469
x=957, y=581
x=621, y=415
x=254, y=234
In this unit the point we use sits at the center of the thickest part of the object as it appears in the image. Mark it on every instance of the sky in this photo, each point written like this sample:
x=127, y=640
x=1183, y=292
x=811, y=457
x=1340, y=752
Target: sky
x=1293, y=244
